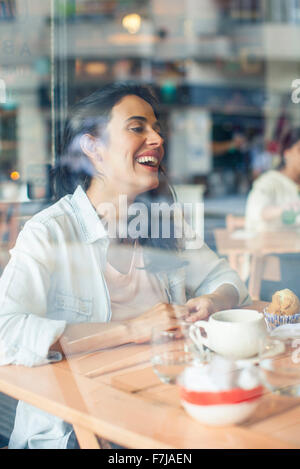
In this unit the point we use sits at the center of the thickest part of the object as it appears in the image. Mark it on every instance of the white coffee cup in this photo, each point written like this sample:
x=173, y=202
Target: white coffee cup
x=233, y=333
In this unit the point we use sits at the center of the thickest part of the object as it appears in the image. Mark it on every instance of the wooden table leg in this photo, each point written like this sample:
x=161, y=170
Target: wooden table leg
x=86, y=438
x=257, y=266
x=239, y=263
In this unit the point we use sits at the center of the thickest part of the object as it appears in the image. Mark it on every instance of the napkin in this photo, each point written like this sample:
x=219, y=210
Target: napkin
x=286, y=330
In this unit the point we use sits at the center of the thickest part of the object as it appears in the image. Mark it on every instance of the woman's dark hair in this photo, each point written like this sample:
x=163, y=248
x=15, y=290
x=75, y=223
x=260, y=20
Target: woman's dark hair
x=91, y=115
x=289, y=139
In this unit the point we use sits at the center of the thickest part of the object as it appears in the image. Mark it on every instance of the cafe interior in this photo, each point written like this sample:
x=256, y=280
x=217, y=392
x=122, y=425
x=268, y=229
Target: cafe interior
x=226, y=74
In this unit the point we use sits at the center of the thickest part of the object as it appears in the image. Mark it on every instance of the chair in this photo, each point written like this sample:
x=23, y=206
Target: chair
x=256, y=268
x=239, y=262
x=234, y=222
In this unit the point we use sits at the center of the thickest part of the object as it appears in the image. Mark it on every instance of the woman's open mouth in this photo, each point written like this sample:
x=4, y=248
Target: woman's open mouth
x=148, y=161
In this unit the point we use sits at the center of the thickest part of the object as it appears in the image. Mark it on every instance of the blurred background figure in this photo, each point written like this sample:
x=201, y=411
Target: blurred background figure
x=274, y=200
x=273, y=204
x=229, y=147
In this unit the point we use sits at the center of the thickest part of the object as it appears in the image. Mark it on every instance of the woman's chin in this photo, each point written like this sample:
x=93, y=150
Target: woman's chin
x=149, y=184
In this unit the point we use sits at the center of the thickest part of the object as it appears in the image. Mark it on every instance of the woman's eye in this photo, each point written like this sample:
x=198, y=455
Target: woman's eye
x=137, y=129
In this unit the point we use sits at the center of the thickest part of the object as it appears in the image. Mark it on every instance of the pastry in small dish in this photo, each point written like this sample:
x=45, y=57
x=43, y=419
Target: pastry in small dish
x=284, y=309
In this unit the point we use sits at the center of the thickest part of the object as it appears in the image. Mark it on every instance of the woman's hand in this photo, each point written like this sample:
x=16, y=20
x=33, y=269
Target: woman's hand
x=201, y=307
x=162, y=315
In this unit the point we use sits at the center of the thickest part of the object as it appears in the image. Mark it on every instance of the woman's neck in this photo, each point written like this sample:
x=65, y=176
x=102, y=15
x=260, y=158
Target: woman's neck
x=110, y=204
x=291, y=174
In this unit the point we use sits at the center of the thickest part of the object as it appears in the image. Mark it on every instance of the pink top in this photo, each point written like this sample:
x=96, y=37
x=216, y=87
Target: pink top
x=135, y=292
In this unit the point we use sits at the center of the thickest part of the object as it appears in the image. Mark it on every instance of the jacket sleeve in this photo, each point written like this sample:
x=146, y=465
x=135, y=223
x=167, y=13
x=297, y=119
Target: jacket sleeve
x=25, y=332
x=205, y=272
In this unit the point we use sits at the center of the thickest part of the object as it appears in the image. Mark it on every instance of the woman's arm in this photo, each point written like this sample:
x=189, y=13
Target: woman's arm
x=26, y=334
x=88, y=337
x=211, y=283
x=219, y=148
x=224, y=297
x=206, y=272
x=272, y=212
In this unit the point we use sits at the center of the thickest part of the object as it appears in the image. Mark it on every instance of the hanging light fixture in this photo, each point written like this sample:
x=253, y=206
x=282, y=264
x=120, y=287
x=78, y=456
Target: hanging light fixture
x=132, y=23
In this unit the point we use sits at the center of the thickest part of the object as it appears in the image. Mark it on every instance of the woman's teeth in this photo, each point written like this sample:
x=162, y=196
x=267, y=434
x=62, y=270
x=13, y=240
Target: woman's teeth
x=148, y=160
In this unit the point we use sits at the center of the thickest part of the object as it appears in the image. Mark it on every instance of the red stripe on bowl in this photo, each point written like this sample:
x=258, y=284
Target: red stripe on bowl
x=234, y=396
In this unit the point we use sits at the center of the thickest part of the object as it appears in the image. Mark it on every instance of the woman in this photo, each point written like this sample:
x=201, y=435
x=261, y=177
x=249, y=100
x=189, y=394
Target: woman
x=71, y=275
x=274, y=204
x=275, y=195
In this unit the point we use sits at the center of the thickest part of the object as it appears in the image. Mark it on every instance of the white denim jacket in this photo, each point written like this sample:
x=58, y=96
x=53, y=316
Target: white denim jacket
x=54, y=277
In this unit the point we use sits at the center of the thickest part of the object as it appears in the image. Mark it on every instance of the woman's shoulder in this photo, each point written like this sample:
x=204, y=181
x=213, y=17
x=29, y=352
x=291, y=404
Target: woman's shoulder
x=268, y=180
x=270, y=175
x=57, y=209
x=46, y=223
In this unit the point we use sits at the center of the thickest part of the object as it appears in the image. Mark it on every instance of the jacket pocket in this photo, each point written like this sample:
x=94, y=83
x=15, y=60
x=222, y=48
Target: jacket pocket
x=73, y=308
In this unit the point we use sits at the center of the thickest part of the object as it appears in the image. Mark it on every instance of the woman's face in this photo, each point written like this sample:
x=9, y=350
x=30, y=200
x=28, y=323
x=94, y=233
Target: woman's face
x=132, y=149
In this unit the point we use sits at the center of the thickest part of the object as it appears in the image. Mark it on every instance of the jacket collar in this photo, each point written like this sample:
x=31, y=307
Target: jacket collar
x=90, y=224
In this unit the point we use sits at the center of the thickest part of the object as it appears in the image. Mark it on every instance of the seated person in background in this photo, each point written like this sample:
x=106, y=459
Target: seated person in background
x=273, y=204
x=70, y=277
x=228, y=156
x=275, y=194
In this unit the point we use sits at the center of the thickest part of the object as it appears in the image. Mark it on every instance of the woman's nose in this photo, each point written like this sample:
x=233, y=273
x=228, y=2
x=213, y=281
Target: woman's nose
x=154, y=138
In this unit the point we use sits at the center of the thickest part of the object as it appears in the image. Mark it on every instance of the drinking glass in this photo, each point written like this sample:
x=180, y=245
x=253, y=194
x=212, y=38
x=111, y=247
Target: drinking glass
x=171, y=351
x=279, y=361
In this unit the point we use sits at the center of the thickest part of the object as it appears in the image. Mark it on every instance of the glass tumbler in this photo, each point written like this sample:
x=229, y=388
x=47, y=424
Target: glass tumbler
x=171, y=351
x=279, y=362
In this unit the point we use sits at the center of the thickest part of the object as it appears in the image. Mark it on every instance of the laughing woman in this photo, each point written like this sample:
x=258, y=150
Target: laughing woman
x=73, y=272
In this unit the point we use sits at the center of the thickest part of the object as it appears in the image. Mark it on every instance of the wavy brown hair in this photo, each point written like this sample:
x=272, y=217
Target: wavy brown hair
x=91, y=115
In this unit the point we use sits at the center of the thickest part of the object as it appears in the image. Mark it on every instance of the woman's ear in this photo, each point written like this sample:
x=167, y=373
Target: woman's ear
x=90, y=147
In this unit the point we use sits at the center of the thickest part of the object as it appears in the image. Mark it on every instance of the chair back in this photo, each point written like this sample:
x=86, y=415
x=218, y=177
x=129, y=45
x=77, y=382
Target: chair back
x=234, y=222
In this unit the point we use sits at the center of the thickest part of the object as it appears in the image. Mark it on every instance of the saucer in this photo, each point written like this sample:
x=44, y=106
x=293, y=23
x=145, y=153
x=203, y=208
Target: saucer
x=278, y=348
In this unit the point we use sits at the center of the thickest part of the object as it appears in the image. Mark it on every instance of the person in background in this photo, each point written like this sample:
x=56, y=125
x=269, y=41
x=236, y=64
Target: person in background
x=228, y=156
x=70, y=277
x=274, y=200
x=274, y=204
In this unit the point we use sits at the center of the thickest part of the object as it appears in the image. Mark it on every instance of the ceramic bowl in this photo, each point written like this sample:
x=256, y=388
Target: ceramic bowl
x=220, y=408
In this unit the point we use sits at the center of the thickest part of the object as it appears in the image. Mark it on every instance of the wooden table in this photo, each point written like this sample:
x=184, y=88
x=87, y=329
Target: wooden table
x=258, y=248
x=116, y=395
